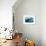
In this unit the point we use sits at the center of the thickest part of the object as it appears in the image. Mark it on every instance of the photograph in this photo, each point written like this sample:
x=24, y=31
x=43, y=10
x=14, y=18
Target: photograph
x=29, y=19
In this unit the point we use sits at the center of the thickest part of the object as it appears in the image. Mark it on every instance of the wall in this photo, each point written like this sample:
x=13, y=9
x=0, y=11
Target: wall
x=29, y=7
x=43, y=22
x=6, y=13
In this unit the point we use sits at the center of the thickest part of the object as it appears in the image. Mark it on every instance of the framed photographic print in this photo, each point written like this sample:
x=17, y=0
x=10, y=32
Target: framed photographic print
x=28, y=19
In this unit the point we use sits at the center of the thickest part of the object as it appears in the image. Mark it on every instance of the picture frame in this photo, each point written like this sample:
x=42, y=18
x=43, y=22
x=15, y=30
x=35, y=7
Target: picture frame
x=28, y=19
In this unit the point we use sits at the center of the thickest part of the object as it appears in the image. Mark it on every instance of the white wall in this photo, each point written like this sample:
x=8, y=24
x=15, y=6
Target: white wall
x=38, y=9
x=43, y=22
x=6, y=13
x=29, y=7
